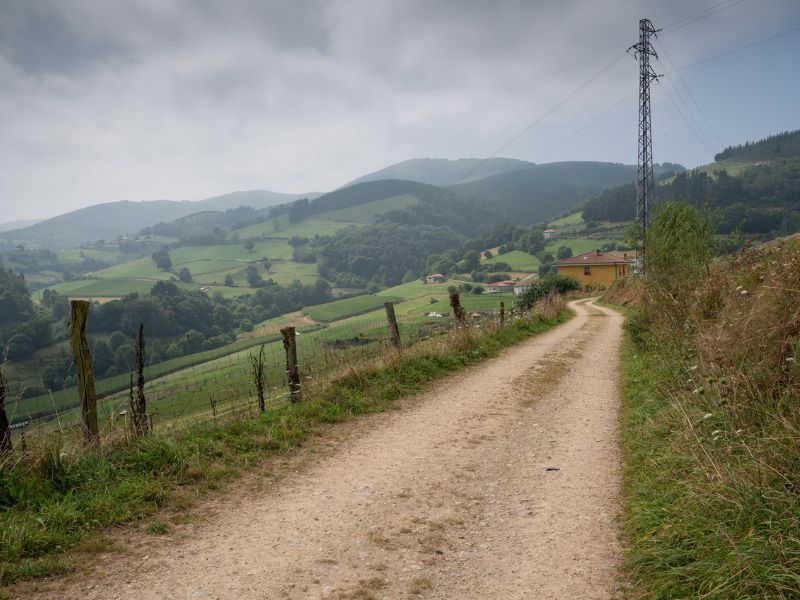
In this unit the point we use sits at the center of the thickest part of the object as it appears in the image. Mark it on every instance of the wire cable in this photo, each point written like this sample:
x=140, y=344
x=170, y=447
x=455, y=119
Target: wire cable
x=688, y=124
x=546, y=114
x=691, y=96
x=729, y=52
x=589, y=124
x=700, y=15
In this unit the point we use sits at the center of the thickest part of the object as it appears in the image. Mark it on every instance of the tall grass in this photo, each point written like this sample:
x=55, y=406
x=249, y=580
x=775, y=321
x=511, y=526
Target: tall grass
x=711, y=429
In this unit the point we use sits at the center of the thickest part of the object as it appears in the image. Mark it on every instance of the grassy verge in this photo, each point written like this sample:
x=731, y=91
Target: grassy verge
x=52, y=501
x=709, y=511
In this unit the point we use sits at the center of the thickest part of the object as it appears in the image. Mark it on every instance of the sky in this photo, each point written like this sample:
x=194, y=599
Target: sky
x=105, y=100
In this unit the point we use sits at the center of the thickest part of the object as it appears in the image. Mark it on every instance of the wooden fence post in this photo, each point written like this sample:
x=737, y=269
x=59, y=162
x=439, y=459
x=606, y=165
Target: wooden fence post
x=292, y=371
x=139, y=404
x=259, y=371
x=5, y=430
x=83, y=367
x=502, y=314
x=458, y=310
x=394, y=331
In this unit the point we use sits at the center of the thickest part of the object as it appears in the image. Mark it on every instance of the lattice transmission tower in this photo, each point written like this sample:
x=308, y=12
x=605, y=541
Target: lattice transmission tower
x=645, y=180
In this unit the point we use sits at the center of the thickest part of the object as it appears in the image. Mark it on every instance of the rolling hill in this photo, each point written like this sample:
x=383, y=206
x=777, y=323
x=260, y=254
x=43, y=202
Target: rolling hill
x=541, y=192
x=108, y=220
x=442, y=171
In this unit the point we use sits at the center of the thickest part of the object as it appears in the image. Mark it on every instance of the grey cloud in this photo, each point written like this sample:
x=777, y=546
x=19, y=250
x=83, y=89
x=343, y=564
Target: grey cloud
x=106, y=100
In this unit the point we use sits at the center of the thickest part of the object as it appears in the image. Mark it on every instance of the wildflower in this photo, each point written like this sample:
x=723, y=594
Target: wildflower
x=790, y=359
x=738, y=287
x=743, y=292
x=693, y=368
x=708, y=415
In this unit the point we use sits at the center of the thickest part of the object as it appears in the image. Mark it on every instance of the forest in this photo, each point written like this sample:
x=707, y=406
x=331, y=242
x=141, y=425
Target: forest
x=764, y=199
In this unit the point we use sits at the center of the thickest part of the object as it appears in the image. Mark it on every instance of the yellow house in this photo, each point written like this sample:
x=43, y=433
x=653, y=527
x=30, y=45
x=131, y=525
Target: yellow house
x=596, y=269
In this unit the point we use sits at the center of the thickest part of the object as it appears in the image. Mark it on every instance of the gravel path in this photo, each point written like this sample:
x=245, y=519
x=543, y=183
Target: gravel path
x=501, y=482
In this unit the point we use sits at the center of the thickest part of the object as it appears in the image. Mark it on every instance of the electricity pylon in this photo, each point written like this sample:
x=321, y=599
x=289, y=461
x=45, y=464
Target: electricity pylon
x=645, y=180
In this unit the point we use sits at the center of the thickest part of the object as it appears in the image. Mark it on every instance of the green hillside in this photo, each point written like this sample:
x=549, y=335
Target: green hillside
x=112, y=219
x=210, y=264
x=541, y=192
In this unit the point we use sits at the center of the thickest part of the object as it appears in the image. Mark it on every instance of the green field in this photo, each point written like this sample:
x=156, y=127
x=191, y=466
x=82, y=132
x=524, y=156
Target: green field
x=141, y=268
x=578, y=245
x=340, y=309
x=731, y=166
x=104, y=288
x=568, y=221
x=326, y=223
x=308, y=228
x=76, y=255
x=519, y=261
x=366, y=213
x=285, y=272
x=272, y=249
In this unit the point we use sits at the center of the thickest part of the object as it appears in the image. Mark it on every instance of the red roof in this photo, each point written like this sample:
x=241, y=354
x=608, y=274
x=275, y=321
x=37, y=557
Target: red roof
x=549, y=230
x=437, y=275
x=594, y=258
x=502, y=283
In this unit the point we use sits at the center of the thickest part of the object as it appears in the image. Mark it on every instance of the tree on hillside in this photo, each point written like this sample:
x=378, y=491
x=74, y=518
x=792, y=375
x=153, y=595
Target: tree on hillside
x=487, y=254
x=19, y=346
x=253, y=278
x=15, y=300
x=185, y=275
x=162, y=259
x=229, y=280
x=249, y=245
x=564, y=252
x=472, y=260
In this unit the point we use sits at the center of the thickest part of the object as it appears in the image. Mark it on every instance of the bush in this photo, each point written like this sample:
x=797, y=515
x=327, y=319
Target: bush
x=560, y=284
x=478, y=289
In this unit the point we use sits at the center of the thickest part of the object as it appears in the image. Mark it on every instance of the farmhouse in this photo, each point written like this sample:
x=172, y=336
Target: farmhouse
x=549, y=234
x=500, y=286
x=435, y=278
x=597, y=269
x=522, y=287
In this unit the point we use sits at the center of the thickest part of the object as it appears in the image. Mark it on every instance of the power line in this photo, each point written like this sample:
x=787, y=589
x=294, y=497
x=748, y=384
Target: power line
x=546, y=114
x=700, y=15
x=589, y=124
x=692, y=98
x=688, y=124
x=691, y=95
x=729, y=52
x=553, y=109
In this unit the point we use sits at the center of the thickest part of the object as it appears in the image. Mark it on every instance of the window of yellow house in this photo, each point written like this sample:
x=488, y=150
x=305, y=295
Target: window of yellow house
x=587, y=270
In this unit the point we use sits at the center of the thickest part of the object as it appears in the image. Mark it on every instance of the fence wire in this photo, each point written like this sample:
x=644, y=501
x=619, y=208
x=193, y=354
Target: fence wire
x=218, y=384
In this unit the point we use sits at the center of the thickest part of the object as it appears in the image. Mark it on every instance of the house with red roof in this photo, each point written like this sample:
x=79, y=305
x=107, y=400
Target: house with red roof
x=596, y=269
x=500, y=286
x=435, y=278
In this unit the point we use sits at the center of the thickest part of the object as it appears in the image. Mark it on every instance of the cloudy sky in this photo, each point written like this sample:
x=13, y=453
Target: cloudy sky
x=104, y=100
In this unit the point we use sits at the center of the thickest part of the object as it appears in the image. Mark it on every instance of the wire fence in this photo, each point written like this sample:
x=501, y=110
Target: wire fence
x=217, y=385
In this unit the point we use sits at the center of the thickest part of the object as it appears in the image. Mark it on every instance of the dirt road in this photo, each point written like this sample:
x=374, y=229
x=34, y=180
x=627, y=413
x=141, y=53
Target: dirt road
x=501, y=483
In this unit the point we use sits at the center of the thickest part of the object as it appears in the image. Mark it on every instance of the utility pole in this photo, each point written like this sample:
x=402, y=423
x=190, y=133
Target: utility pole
x=645, y=181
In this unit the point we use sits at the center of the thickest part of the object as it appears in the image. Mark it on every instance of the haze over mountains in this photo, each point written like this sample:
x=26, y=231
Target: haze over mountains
x=441, y=171
x=517, y=190
x=111, y=219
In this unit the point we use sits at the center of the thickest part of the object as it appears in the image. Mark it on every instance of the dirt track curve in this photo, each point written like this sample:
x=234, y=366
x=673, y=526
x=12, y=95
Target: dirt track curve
x=501, y=482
